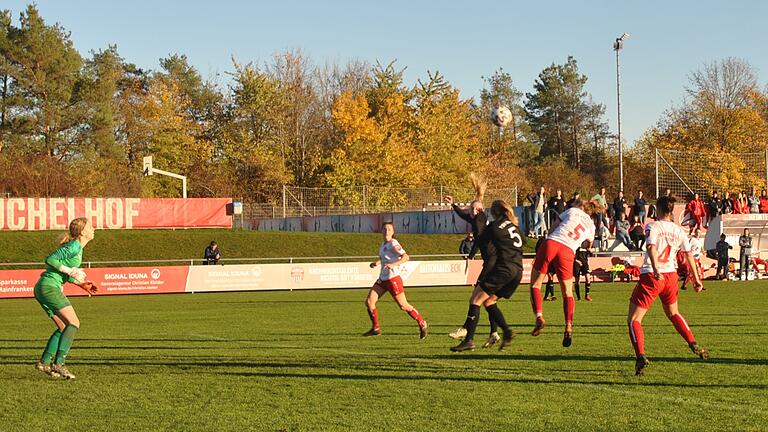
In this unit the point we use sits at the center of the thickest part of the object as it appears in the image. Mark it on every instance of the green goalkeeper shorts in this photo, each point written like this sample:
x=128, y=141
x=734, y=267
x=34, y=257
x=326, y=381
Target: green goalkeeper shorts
x=51, y=298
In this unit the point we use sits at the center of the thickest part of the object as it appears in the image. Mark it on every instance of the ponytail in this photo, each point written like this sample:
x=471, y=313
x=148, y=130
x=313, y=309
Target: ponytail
x=501, y=207
x=479, y=185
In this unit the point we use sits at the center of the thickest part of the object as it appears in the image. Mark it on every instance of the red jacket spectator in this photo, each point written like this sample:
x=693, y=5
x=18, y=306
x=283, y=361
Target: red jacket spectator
x=763, y=203
x=740, y=205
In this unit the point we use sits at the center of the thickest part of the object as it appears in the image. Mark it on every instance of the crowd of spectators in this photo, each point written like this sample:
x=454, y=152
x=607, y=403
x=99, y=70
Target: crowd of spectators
x=625, y=218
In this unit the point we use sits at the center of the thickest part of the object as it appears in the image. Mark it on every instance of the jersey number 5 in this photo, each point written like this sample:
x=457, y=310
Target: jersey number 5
x=576, y=233
x=514, y=235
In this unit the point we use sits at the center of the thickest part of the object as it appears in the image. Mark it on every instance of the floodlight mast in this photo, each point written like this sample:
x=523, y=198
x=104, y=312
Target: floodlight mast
x=617, y=46
x=149, y=170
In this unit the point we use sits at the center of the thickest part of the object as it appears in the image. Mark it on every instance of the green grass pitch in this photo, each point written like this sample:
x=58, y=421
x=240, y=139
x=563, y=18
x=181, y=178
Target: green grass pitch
x=295, y=361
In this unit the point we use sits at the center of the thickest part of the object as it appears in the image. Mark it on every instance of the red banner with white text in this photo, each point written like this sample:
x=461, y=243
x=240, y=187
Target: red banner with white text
x=33, y=214
x=124, y=280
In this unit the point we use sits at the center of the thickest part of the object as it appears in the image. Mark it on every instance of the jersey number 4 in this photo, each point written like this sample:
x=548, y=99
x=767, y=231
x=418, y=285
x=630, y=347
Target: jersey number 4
x=577, y=232
x=664, y=255
x=514, y=235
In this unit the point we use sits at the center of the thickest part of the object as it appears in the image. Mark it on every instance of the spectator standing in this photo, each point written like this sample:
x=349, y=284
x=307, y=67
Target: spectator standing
x=619, y=207
x=538, y=205
x=714, y=207
x=212, y=254
x=465, y=248
x=600, y=199
x=555, y=206
x=722, y=257
x=695, y=208
x=727, y=204
x=745, y=242
x=557, y=202
x=637, y=232
x=573, y=199
x=740, y=206
x=754, y=201
x=763, y=202
x=639, y=207
x=622, y=231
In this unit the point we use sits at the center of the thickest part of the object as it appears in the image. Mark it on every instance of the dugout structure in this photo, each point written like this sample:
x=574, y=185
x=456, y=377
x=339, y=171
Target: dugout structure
x=732, y=225
x=686, y=173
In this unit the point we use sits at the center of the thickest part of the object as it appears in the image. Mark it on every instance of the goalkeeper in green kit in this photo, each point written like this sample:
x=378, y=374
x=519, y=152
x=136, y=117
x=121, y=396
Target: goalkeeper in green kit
x=63, y=266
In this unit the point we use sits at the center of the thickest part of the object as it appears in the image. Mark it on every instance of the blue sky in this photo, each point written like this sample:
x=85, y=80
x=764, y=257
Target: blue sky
x=463, y=40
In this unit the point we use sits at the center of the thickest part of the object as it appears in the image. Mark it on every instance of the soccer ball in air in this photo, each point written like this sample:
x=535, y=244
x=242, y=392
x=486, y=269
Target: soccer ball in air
x=501, y=116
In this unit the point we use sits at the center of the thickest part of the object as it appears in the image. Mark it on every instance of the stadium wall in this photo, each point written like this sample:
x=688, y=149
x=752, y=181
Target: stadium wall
x=257, y=277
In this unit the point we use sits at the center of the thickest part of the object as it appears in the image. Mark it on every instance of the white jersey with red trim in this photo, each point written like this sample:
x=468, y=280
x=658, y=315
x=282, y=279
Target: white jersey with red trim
x=695, y=247
x=389, y=253
x=575, y=226
x=668, y=238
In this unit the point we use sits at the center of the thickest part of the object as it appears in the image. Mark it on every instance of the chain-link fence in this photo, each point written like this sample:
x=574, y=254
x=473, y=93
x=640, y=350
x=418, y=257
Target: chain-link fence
x=686, y=173
x=302, y=201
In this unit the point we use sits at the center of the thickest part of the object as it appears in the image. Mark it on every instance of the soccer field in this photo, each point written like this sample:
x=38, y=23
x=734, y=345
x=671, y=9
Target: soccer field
x=285, y=361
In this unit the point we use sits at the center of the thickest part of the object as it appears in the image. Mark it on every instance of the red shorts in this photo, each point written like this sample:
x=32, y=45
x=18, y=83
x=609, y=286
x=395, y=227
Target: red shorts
x=557, y=253
x=394, y=285
x=648, y=288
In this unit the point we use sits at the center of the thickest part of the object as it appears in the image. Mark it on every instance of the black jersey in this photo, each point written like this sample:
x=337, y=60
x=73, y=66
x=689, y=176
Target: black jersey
x=582, y=255
x=478, y=224
x=507, y=243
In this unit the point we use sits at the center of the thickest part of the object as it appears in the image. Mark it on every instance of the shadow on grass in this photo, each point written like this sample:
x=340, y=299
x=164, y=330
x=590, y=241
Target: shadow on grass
x=640, y=382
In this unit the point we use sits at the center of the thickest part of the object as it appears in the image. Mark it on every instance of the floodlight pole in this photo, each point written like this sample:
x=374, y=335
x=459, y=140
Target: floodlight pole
x=617, y=46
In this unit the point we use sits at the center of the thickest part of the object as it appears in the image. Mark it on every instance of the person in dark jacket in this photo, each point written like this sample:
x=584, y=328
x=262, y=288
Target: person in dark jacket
x=465, y=248
x=639, y=207
x=745, y=242
x=722, y=248
x=212, y=254
x=573, y=199
x=555, y=206
x=714, y=206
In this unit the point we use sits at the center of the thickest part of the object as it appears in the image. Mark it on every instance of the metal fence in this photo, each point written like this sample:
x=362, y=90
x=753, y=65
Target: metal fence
x=686, y=173
x=302, y=201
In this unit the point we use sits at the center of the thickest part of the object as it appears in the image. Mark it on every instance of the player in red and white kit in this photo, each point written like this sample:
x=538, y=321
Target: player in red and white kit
x=658, y=278
x=695, y=243
x=575, y=227
x=391, y=257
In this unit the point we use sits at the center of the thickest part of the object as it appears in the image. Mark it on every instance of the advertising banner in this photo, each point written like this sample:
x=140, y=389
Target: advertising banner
x=256, y=277
x=33, y=214
x=125, y=280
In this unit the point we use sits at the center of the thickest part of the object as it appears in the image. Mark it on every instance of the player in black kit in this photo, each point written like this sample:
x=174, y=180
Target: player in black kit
x=502, y=279
x=581, y=268
x=475, y=216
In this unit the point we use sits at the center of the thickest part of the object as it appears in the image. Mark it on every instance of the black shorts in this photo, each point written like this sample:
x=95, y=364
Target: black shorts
x=486, y=270
x=502, y=282
x=582, y=270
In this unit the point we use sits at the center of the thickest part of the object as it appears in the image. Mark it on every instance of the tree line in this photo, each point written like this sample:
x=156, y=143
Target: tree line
x=74, y=125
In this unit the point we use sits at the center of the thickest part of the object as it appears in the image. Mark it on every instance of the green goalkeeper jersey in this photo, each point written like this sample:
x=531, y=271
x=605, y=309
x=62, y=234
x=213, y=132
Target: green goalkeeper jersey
x=69, y=254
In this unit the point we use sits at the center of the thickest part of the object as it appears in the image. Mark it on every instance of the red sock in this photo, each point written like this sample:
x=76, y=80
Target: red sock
x=416, y=315
x=536, y=301
x=637, y=338
x=682, y=327
x=569, y=306
x=374, y=315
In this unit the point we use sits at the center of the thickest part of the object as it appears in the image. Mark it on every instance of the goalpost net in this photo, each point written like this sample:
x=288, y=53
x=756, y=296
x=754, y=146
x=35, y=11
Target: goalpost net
x=686, y=173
